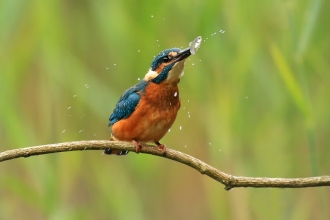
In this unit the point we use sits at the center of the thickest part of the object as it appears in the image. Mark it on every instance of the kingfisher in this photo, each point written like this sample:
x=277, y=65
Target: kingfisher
x=146, y=111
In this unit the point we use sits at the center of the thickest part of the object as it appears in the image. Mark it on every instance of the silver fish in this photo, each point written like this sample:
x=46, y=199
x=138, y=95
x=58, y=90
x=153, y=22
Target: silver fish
x=195, y=44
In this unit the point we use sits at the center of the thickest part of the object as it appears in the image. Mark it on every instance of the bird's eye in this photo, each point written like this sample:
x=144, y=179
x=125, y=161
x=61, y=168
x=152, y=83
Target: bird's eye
x=166, y=59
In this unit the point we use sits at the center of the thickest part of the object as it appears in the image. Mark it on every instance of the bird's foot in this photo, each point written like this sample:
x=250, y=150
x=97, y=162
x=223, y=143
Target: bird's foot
x=162, y=147
x=137, y=145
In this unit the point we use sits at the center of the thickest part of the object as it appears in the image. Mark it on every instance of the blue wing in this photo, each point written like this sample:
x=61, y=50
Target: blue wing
x=127, y=102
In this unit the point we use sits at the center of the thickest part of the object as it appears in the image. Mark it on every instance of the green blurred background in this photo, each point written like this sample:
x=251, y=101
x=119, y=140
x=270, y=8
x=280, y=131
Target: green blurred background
x=255, y=102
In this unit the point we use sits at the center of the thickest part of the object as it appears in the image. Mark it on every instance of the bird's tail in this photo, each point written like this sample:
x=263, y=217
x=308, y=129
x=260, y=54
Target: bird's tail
x=114, y=151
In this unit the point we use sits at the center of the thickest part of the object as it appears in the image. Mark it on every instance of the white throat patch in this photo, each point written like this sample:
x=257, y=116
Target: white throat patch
x=150, y=75
x=176, y=72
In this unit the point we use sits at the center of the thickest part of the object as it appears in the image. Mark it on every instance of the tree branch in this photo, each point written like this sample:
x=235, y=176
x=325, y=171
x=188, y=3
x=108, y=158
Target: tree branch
x=228, y=180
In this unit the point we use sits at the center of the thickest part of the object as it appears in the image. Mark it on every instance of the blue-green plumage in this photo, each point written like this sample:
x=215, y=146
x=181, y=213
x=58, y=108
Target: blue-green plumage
x=127, y=102
x=161, y=77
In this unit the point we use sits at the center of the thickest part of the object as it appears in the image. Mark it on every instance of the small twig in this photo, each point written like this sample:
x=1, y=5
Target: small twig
x=228, y=180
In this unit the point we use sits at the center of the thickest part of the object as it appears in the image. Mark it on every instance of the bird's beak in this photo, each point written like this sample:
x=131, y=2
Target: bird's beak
x=182, y=54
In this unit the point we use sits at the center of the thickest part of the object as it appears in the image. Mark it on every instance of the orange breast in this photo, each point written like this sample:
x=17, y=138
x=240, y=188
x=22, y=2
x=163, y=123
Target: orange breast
x=153, y=116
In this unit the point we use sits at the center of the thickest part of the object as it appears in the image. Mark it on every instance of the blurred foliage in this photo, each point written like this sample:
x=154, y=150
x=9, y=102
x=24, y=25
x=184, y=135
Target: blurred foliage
x=254, y=103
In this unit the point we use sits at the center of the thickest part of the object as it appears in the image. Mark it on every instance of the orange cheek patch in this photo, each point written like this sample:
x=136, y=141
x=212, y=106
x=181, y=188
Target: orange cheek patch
x=160, y=68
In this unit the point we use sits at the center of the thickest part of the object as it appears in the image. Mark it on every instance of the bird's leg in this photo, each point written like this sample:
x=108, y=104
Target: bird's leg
x=161, y=146
x=137, y=145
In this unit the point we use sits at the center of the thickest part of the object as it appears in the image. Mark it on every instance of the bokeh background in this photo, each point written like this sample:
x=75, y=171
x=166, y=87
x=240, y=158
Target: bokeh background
x=255, y=102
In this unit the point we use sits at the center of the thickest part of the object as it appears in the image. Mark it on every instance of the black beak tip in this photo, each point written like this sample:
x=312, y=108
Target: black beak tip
x=185, y=51
x=183, y=54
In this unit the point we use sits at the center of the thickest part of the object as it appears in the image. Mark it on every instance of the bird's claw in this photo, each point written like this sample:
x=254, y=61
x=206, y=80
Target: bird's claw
x=137, y=145
x=162, y=147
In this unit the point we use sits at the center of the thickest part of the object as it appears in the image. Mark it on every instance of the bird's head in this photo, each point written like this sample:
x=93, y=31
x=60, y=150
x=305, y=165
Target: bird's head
x=168, y=66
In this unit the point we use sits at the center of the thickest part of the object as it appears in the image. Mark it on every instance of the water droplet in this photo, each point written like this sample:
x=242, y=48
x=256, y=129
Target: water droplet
x=193, y=64
x=157, y=40
x=74, y=96
x=169, y=130
x=107, y=68
x=82, y=116
x=220, y=31
x=63, y=131
x=69, y=107
x=175, y=94
x=138, y=51
x=114, y=64
x=170, y=103
x=180, y=127
x=219, y=150
x=215, y=32
x=188, y=100
x=210, y=143
x=185, y=145
x=94, y=135
x=188, y=116
x=152, y=16
x=81, y=131
x=139, y=79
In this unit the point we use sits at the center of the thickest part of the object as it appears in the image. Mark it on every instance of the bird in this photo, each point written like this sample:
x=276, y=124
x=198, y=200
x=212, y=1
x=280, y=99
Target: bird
x=146, y=111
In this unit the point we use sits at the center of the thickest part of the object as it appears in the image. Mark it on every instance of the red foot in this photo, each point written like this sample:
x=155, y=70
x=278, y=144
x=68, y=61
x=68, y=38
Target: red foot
x=137, y=146
x=161, y=146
